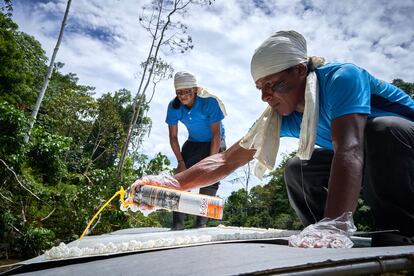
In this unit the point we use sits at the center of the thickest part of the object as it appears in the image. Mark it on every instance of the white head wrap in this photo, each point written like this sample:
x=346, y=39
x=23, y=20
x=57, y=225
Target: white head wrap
x=184, y=80
x=280, y=51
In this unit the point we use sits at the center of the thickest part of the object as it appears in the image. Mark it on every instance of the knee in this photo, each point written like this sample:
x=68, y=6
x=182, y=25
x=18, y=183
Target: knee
x=383, y=133
x=379, y=128
x=378, y=134
x=292, y=170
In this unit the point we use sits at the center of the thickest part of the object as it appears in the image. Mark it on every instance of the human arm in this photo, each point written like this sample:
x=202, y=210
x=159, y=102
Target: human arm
x=215, y=138
x=347, y=164
x=175, y=146
x=214, y=168
x=343, y=187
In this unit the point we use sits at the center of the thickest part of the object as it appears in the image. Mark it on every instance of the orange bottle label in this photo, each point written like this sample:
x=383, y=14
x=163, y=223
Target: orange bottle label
x=215, y=211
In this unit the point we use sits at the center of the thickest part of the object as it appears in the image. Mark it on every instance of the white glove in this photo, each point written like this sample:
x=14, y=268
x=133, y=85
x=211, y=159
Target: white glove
x=327, y=233
x=163, y=180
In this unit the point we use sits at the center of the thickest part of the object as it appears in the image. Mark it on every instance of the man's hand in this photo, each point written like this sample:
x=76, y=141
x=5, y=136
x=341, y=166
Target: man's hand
x=163, y=180
x=327, y=233
x=132, y=202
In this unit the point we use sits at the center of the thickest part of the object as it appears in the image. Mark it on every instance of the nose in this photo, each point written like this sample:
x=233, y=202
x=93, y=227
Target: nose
x=266, y=96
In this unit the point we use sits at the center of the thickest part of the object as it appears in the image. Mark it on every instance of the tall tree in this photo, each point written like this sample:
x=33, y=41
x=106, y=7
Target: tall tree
x=6, y=7
x=22, y=64
x=408, y=87
x=158, y=20
x=49, y=72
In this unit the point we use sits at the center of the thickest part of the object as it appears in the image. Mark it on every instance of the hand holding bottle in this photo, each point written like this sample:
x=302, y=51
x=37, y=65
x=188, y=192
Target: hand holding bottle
x=163, y=180
x=134, y=204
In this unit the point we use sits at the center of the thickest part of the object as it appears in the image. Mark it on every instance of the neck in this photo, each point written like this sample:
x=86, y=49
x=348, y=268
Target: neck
x=301, y=105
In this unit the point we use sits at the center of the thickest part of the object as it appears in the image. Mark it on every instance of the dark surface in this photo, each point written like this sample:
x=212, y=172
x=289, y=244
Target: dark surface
x=229, y=259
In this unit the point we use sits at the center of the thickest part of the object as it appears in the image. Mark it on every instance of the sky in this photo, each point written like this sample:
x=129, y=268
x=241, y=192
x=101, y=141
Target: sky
x=104, y=44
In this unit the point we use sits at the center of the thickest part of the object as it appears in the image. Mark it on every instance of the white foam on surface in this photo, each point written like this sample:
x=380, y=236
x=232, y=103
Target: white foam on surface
x=112, y=244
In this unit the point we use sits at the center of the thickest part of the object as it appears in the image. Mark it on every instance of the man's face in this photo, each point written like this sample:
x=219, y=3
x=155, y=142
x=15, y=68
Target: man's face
x=186, y=95
x=284, y=91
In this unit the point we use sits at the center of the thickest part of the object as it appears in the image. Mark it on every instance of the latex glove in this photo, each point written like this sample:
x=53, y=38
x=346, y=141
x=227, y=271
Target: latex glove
x=327, y=233
x=162, y=179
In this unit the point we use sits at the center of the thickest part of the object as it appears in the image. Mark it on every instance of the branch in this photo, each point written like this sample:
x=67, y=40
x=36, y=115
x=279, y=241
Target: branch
x=12, y=226
x=23, y=213
x=87, y=177
x=17, y=179
x=100, y=155
x=45, y=218
x=6, y=198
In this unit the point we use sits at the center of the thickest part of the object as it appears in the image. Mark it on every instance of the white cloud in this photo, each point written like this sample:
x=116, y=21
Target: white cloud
x=375, y=34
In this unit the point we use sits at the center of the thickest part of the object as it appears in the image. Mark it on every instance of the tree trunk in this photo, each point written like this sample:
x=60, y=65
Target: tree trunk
x=49, y=74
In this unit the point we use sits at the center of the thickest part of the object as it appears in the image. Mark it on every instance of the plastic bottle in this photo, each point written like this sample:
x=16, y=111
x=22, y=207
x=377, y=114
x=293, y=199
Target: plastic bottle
x=180, y=201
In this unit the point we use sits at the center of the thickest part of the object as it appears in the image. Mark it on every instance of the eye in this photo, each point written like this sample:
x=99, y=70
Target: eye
x=278, y=87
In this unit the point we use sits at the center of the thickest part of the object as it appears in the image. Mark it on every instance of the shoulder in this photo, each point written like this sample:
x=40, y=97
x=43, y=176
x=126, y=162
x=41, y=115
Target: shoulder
x=335, y=71
x=208, y=102
x=348, y=70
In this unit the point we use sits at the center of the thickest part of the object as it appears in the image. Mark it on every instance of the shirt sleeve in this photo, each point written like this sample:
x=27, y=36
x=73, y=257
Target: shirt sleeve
x=172, y=115
x=214, y=112
x=348, y=92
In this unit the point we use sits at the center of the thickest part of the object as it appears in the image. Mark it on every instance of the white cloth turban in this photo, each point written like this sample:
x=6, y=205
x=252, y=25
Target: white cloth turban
x=281, y=51
x=184, y=80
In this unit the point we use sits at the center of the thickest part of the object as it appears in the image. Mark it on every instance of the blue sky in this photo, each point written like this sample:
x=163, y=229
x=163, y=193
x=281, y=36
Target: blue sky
x=104, y=45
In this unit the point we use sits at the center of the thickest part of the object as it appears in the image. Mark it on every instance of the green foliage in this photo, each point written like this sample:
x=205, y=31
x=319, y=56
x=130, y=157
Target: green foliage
x=235, y=209
x=22, y=65
x=46, y=156
x=363, y=218
x=408, y=87
x=34, y=240
x=107, y=135
x=13, y=127
x=6, y=8
x=67, y=171
x=264, y=206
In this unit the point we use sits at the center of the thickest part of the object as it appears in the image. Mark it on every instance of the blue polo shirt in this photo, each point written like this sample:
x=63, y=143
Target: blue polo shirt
x=197, y=119
x=346, y=89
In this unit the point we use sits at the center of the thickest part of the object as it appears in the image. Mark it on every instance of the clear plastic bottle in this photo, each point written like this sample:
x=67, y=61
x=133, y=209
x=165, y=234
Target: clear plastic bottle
x=180, y=201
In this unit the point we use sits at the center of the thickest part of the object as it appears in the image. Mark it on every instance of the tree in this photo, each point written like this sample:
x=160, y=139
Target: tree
x=49, y=72
x=234, y=209
x=158, y=20
x=7, y=7
x=108, y=131
x=244, y=180
x=408, y=87
x=21, y=64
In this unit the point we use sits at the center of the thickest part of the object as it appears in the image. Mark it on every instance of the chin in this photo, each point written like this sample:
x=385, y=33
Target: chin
x=278, y=111
x=282, y=112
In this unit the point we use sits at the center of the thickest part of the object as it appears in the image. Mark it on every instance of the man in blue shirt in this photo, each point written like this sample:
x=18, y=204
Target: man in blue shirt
x=364, y=128
x=202, y=115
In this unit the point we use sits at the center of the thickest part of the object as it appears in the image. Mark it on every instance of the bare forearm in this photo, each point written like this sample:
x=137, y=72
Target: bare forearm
x=214, y=168
x=175, y=146
x=215, y=145
x=345, y=182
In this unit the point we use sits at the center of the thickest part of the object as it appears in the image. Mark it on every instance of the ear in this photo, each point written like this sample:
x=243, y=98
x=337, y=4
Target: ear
x=302, y=69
